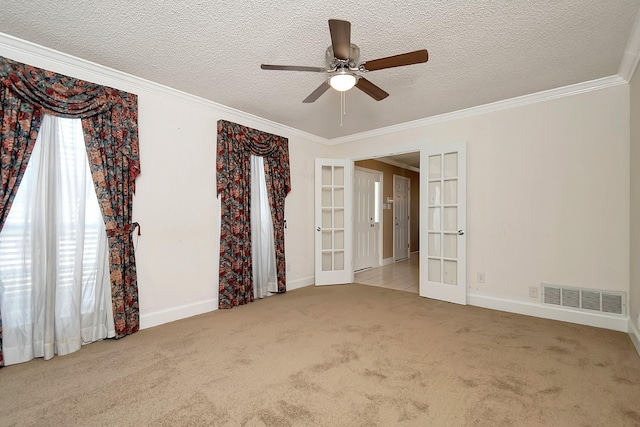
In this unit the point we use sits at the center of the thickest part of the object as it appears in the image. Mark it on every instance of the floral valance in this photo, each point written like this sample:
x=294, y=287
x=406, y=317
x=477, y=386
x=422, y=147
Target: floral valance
x=66, y=96
x=254, y=141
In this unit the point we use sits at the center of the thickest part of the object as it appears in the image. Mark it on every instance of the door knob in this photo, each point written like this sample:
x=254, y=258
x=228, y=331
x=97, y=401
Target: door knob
x=460, y=232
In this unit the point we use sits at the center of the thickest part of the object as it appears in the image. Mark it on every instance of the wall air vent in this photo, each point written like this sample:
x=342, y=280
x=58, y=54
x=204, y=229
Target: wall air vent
x=612, y=303
x=592, y=300
x=571, y=298
x=552, y=295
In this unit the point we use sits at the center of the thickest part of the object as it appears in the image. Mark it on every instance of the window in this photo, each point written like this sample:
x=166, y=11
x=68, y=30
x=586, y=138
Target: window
x=54, y=274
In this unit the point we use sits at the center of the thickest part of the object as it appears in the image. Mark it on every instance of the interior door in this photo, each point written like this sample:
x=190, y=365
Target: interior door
x=365, y=229
x=334, y=242
x=400, y=217
x=443, y=263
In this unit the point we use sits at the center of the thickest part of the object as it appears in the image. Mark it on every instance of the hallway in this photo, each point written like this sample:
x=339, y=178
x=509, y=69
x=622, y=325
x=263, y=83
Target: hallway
x=402, y=275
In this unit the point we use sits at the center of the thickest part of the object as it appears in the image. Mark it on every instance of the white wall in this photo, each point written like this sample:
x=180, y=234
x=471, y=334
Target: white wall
x=547, y=195
x=176, y=204
x=548, y=191
x=634, y=299
x=175, y=201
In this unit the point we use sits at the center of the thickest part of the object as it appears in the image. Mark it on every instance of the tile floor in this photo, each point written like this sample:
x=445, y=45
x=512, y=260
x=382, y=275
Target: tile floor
x=402, y=275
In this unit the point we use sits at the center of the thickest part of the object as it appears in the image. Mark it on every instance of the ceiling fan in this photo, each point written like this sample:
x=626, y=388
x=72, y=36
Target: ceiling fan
x=343, y=62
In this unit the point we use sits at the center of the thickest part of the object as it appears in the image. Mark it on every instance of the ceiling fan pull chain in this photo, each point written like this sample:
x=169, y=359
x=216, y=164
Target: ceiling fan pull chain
x=341, y=106
x=344, y=103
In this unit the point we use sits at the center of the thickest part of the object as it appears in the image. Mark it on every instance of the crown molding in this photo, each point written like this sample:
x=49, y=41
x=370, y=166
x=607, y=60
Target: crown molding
x=24, y=51
x=631, y=54
x=19, y=49
x=519, y=101
x=628, y=65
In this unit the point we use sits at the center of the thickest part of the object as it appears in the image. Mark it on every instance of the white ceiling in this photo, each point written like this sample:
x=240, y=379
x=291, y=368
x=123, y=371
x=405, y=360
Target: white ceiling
x=480, y=51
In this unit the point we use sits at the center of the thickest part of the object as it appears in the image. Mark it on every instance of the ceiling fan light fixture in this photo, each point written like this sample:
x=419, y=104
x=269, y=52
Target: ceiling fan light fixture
x=342, y=82
x=343, y=62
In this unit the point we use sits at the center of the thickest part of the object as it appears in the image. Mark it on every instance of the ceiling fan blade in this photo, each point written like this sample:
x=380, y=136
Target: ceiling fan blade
x=370, y=89
x=293, y=68
x=316, y=93
x=409, y=58
x=340, y=38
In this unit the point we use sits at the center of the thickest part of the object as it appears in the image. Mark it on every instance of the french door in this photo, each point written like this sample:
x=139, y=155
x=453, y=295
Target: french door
x=333, y=222
x=443, y=258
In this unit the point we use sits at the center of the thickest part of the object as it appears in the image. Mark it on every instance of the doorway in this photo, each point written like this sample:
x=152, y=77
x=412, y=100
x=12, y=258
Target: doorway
x=406, y=165
x=443, y=185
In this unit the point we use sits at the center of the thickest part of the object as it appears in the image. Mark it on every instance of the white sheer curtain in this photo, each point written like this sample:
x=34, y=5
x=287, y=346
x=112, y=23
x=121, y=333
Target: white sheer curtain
x=54, y=269
x=263, y=249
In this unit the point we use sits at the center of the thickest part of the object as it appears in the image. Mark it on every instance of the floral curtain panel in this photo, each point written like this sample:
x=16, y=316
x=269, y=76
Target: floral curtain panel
x=236, y=144
x=110, y=125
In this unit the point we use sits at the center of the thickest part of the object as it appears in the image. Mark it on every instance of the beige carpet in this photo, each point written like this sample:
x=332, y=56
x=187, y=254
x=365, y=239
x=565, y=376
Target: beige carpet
x=337, y=356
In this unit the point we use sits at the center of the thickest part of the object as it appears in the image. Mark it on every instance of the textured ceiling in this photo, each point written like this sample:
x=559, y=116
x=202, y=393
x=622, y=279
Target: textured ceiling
x=479, y=51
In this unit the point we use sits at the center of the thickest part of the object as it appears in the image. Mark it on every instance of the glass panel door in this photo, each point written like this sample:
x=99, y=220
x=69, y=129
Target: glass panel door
x=333, y=229
x=444, y=276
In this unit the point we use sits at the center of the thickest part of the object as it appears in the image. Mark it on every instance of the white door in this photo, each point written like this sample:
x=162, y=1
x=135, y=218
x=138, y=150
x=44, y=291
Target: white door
x=443, y=257
x=401, y=186
x=365, y=228
x=333, y=191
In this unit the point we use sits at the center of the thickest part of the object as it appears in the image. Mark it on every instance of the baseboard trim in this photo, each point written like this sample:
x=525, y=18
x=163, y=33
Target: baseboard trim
x=387, y=261
x=176, y=313
x=538, y=310
x=184, y=311
x=634, y=334
x=300, y=283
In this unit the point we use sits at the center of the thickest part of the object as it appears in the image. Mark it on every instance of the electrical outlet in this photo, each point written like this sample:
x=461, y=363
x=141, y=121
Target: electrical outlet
x=480, y=278
x=533, y=292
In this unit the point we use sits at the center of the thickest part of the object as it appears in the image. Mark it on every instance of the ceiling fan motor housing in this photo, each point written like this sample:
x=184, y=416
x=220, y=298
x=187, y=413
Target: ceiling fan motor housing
x=334, y=63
